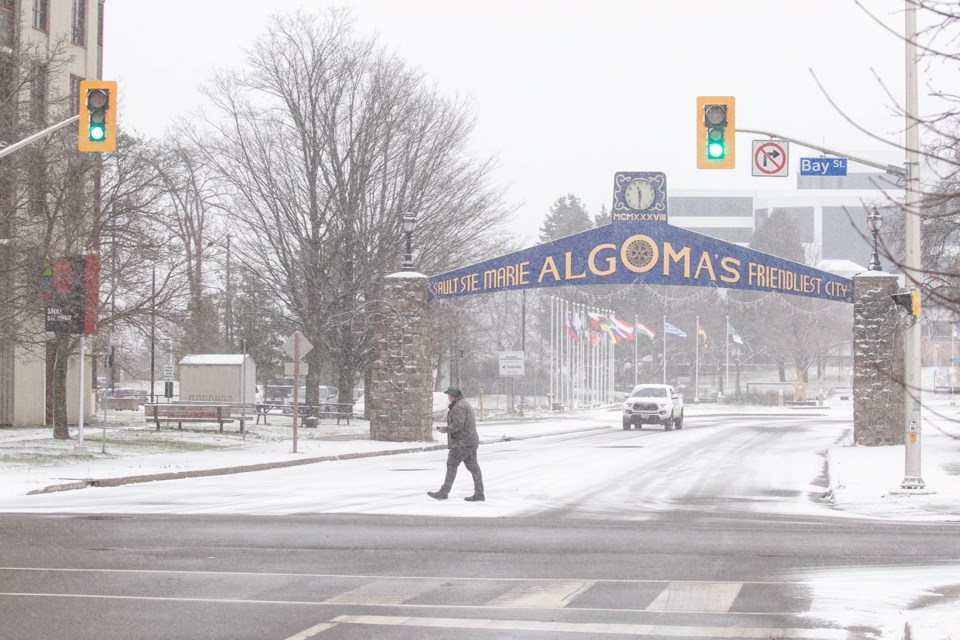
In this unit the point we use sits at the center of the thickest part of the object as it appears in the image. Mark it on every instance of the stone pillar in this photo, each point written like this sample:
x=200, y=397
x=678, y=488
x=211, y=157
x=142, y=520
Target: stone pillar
x=402, y=372
x=878, y=373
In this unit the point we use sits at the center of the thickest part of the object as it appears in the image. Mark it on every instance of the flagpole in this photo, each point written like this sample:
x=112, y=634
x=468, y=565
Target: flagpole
x=726, y=379
x=554, y=360
x=696, y=364
x=612, y=381
x=636, y=350
x=664, y=327
x=564, y=369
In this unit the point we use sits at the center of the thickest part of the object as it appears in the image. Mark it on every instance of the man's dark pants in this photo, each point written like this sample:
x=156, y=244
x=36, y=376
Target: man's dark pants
x=468, y=456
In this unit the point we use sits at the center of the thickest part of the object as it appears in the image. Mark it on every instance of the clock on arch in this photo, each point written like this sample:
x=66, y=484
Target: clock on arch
x=636, y=192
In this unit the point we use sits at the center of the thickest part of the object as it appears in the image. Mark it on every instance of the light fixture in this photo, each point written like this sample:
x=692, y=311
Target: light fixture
x=875, y=221
x=409, y=224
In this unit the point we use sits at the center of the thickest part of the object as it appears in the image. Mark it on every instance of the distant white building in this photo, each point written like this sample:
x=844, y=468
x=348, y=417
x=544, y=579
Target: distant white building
x=218, y=377
x=832, y=223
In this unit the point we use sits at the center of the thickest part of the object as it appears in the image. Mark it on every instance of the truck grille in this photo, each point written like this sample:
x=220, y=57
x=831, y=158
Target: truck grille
x=644, y=406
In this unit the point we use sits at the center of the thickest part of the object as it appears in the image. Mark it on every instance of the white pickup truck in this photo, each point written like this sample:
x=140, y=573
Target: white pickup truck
x=653, y=404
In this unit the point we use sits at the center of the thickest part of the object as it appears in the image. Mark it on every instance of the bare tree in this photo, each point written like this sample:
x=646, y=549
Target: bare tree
x=325, y=142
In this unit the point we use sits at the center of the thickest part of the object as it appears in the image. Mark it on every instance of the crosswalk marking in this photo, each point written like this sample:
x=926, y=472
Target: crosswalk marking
x=711, y=597
x=766, y=633
x=313, y=631
x=385, y=592
x=543, y=595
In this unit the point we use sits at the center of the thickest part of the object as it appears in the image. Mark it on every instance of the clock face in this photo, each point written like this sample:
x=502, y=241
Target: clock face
x=639, y=194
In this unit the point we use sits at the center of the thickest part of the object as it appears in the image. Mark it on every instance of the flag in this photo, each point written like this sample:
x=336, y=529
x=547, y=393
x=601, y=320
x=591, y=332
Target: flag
x=579, y=325
x=595, y=320
x=673, y=331
x=594, y=338
x=733, y=334
x=646, y=331
x=607, y=329
x=621, y=329
x=571, y=328
x=703, y=334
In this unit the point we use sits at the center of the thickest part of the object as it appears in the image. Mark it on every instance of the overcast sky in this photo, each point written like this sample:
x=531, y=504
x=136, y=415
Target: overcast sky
x=566, y=92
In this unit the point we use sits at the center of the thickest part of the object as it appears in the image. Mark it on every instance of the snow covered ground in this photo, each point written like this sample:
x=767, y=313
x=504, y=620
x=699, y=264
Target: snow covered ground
x=863, y=483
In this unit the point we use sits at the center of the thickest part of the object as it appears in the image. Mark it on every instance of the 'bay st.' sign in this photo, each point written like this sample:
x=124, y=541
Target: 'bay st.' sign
x=640, y=247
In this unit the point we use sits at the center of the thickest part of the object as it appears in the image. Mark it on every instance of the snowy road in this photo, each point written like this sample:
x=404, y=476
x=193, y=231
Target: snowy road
x=716, y=465
x=716, y=530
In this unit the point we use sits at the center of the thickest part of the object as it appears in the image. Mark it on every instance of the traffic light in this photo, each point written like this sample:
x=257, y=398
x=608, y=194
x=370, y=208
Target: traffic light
x=716, y=129
x=909, y=300
x=98, y=116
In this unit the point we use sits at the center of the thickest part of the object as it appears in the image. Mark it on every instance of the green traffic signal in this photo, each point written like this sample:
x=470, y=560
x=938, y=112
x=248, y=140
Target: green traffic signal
x=97, y=102
x=716, y=128
x=715, y=145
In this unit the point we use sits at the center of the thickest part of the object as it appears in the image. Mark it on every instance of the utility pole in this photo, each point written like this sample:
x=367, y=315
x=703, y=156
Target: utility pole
x=913, y=264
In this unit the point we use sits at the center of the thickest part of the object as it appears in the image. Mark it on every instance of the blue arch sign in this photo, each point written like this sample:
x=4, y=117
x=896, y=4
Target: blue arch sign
x=640, y=247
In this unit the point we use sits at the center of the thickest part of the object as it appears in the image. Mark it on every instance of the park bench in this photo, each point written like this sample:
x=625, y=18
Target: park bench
x=189, y=413
x=338, y=410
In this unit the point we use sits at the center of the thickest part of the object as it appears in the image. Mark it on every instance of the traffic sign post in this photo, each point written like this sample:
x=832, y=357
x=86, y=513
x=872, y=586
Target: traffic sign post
x=296, y=346
x=771, y=158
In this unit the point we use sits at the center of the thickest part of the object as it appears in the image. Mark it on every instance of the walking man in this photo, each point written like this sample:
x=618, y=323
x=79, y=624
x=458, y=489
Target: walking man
x=462, y=443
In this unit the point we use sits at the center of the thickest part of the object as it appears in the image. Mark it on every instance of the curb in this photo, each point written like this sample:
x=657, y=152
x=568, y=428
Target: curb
x=222, y=471
x=263, y=466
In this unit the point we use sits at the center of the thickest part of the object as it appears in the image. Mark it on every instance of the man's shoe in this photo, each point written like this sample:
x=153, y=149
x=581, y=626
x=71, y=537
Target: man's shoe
x=437, y=495
x=477, y=497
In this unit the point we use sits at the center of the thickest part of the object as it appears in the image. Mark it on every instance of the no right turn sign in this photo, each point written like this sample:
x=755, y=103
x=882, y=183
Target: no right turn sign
x=770, y=158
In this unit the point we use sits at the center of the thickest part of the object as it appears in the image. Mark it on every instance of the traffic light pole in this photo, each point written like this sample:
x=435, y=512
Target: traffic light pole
x=913, y=262
x=31, y=139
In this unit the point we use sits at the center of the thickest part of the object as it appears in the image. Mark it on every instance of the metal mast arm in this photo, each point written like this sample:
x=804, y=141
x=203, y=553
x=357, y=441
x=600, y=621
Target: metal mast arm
x=889, y=168
x=29, y=139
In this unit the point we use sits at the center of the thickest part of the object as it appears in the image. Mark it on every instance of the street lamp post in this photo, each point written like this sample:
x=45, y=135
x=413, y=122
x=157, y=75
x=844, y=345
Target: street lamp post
x=875, y=220
x=409, y=224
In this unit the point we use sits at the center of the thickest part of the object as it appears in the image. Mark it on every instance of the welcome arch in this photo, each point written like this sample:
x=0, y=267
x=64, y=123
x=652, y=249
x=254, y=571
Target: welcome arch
x=638, y=247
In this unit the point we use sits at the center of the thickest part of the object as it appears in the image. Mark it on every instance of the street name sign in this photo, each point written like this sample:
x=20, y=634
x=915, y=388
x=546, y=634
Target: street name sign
x=823, y=166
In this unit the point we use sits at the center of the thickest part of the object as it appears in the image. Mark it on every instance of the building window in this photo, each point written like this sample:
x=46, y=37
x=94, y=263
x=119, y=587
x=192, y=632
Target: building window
x=8, y=21
x=75, y=94
x=80, y=22
x=40, y=14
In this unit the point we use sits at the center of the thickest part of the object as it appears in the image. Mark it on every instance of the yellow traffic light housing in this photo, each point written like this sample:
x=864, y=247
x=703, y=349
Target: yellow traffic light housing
x=716, y=127
x=98, y=116
x=909, y=300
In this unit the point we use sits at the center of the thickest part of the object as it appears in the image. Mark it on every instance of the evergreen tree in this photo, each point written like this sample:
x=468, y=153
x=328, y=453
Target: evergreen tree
x=779, y=235
x=567, y=216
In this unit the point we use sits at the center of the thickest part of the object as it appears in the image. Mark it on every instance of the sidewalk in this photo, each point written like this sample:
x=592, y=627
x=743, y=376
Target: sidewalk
x=32, y=461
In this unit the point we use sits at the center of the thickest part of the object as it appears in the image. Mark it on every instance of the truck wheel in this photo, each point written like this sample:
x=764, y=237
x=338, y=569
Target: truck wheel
x=626, y=425
x=679, y=421
x=668, y=424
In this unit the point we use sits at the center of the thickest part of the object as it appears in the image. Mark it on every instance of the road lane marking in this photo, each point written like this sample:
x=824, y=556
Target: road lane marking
x=764, y=633
x=710, y=597
x=313, y=631
x=543, y=595
x=384, y=592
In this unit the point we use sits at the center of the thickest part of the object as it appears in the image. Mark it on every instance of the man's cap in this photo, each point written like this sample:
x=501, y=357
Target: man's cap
x=453, y=391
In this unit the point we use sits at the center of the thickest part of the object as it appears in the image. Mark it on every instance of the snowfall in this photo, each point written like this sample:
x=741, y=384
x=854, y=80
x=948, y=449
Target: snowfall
x=863, y=484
